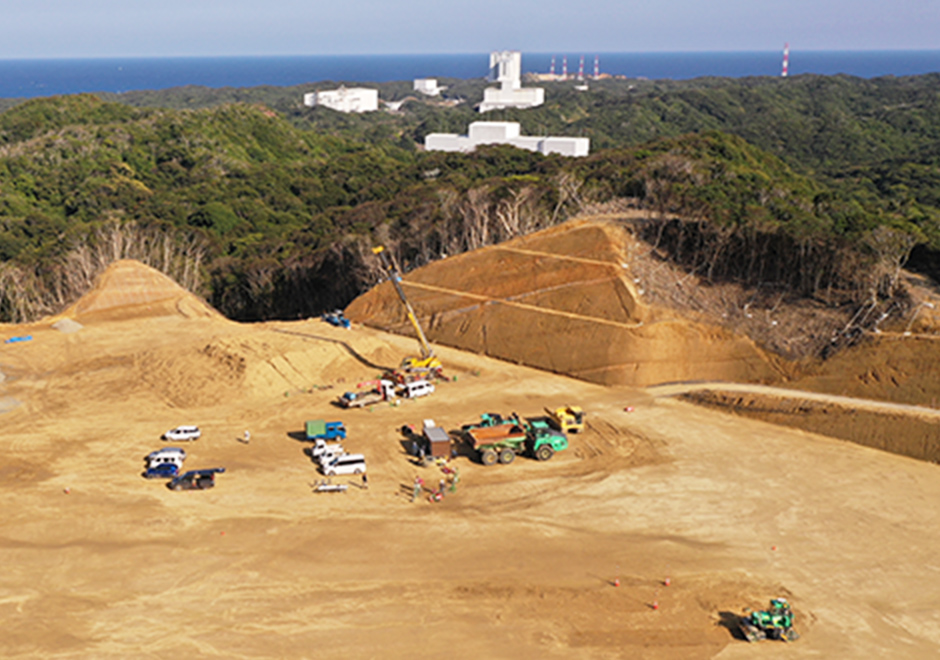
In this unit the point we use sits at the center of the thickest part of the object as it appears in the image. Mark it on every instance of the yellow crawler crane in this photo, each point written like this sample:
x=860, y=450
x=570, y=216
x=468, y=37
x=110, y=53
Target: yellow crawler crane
x=428, y=363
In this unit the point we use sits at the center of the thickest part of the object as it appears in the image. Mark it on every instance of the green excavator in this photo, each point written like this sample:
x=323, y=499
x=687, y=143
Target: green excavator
x=773, y=623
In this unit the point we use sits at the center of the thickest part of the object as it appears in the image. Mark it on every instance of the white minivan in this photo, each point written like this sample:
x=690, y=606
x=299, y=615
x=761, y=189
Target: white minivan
x=173, y=455
x=417, y=388
x=345, y=464
x=182, y=433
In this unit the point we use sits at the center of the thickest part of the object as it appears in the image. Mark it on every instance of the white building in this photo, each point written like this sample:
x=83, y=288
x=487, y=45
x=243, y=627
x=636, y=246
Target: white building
x=352, y=99
x=506, y=69
x=506, y=132
x=427, y=86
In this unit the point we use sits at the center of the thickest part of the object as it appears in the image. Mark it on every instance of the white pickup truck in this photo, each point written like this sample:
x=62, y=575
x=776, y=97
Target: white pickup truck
x=323, y=451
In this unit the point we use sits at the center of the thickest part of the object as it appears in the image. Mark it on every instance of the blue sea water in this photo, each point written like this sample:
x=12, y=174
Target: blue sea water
x=32, y=78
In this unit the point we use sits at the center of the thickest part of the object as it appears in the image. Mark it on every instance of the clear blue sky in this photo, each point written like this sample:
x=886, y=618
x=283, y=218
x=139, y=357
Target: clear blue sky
x=117, y=28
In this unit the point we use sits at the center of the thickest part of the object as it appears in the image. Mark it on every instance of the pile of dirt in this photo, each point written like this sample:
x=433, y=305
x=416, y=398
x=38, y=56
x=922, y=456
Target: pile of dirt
x=565, y=300
x=129, y=289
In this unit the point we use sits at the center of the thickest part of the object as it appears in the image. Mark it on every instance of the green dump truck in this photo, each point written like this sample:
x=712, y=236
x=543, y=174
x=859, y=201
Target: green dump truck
x=502, y=442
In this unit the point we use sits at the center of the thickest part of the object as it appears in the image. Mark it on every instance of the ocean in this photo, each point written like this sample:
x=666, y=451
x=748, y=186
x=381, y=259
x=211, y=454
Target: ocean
x=32, y=78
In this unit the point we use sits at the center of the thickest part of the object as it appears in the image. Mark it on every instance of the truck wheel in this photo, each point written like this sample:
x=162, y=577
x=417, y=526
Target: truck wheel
x=488, y=457
x=544, y=452
x=506, y=456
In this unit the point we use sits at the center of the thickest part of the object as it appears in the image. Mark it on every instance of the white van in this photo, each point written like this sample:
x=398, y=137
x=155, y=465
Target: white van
x=417, y=388
x=173, y=455
x=345, y=464
x=181, y=433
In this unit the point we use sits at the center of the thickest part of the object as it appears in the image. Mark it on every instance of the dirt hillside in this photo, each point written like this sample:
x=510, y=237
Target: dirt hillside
x=564, y=300
x=562, y=559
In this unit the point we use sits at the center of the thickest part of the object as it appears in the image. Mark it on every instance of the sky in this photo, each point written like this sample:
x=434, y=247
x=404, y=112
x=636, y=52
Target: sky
x=174, y=28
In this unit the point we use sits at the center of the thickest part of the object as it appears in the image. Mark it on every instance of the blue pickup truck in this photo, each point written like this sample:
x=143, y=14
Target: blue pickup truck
x=319, y=429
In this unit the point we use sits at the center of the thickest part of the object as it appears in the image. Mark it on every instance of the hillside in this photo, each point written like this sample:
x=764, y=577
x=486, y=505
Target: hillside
x=270, y=221
x=565, y=300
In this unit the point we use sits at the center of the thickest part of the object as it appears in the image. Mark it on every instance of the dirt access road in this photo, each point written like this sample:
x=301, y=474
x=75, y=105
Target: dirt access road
x=518, y=563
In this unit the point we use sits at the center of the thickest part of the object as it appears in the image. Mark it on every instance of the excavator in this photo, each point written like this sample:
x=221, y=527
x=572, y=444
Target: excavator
x=428, y=364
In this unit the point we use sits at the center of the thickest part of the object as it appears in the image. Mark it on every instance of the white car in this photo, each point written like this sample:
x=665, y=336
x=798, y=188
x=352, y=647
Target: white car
x=181, y=433
x=345, y=464
x=417, y=388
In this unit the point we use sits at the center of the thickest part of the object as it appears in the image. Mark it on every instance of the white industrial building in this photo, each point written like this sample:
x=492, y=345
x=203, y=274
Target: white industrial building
x=427, y=86
x=506, y=132
x=506, y=69
x=345, y=99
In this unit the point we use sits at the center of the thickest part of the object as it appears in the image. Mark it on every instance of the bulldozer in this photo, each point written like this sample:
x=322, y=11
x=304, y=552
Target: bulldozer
x=569, y=419
x=428, y=364
x=773, y=623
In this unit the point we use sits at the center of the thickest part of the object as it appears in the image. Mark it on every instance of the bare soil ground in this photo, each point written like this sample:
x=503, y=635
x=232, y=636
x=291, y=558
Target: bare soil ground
x=519, y=562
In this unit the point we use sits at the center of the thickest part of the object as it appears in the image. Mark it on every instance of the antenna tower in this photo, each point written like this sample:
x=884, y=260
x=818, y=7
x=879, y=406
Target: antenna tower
x=786, y=60
x=564, y=67
x=551, y=71
x=581, y=69
x=597, y=67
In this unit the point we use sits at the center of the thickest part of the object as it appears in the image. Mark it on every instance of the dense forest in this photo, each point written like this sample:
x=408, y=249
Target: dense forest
x=821, y=185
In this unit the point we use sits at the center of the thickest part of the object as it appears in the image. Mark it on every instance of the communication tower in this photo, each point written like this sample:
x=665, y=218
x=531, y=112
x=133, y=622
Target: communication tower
x=597, y=67
x=551, y=71
x=564, y=67
x=581, y=69
x=786, y=60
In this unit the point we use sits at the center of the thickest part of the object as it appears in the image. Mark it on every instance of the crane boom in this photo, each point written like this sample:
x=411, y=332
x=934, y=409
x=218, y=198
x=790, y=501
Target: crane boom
x=428, y=360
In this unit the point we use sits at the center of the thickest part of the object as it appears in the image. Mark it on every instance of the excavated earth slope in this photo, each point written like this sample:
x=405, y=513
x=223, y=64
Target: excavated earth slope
x=563, y=300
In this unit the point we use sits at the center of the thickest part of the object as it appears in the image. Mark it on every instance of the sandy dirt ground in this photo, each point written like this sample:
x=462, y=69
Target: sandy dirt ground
x=520, y=562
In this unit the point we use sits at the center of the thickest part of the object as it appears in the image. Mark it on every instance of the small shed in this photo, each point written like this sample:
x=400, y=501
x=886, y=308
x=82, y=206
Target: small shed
x=438, y=441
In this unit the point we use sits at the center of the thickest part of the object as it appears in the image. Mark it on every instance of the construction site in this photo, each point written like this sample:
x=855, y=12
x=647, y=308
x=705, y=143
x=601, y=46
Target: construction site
x=714, y=473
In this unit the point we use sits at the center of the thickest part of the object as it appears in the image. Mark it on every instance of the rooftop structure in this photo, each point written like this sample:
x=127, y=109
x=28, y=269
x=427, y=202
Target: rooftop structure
x=427, y=86
x=506, y=69
x=351, y=99
x=506, y=132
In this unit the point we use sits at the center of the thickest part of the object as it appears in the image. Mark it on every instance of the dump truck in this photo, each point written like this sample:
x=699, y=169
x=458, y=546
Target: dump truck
x=318, y=429
x=381, y=390
x=502, y=442
x=569, y=419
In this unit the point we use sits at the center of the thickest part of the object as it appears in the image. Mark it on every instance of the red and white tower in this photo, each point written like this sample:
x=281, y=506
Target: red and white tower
x=786, y=60
x=597, y=67
x=564, y=67
x=581, y=69
x=551, y=71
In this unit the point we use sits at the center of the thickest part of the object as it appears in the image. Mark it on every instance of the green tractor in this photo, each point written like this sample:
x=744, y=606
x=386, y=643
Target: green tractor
x=773, y=623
